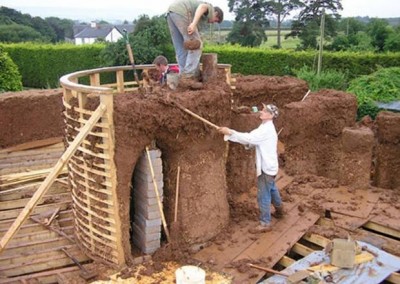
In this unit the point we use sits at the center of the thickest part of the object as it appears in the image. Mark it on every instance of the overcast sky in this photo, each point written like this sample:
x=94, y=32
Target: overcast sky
x=88, y=10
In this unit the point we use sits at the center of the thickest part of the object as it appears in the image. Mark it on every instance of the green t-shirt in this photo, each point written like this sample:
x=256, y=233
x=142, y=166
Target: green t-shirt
x=187, y=8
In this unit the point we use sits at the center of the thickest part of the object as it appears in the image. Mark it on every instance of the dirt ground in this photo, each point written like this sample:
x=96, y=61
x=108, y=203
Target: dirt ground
x=217, y=179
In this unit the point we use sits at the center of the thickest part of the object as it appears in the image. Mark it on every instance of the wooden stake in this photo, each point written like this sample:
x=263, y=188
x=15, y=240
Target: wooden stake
x=158, y=196
x=177, y=194
x=51, y=177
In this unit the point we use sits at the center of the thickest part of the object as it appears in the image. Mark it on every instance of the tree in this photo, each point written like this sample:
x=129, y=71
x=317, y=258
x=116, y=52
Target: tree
x=62, y=27
x=282, y=9
x=306, y=26
x=44, y=28
x=351, y=26
x=12, y=17
x=248, y=30
x=19, y=33
x=378, y=30
x=246, y=34
x=392, y=42
x=149, y=39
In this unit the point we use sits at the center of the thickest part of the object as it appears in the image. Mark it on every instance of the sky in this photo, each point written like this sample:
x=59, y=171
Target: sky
x=89, y=10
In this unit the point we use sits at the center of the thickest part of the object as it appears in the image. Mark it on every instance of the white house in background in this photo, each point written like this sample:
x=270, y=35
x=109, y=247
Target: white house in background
x=110, y=33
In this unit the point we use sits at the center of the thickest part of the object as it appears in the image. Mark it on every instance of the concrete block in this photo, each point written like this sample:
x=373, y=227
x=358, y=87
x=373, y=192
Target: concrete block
x=143, y=165
x=147, y=238
x=140, y=219
x=148, y=212
x=146, y=188
x=146, y=176
x=140, y=198
x=148, y=229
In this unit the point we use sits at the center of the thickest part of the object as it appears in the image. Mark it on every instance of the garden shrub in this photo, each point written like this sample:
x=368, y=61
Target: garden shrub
x=10, y=78
x=327, y=79
x=380, y=86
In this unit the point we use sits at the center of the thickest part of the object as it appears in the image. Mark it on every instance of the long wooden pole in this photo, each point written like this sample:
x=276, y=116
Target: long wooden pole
x=158, y=196
x=177, y=194
x=196, y=115
x=51, y=177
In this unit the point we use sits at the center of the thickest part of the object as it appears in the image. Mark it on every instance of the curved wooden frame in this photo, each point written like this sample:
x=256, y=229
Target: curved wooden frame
x=90, y=229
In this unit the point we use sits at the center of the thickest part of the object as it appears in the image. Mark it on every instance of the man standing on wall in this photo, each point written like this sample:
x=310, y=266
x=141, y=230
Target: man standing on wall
x=265, y=140
x=183, y=16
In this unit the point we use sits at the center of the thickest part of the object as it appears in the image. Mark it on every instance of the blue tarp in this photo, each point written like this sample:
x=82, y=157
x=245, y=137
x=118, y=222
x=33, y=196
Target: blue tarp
x=374, y=271
x=393, y=106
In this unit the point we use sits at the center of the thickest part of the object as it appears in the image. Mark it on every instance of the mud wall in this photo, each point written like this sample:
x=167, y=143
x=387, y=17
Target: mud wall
x=312, y=132
x=356, y=161
x=240, y=166
x=253, y=91
x=387, y=167
x=30, y=115
x=184, y=141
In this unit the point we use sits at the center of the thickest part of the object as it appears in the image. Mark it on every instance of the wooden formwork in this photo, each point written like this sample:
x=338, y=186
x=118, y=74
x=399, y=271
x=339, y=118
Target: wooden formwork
x=92, y=173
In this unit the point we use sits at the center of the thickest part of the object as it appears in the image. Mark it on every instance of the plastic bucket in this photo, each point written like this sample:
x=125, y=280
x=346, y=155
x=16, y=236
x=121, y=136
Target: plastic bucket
x=190, y=274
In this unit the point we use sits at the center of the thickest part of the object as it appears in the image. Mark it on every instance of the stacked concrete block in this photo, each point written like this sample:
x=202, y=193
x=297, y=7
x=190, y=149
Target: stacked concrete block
x=146, y=224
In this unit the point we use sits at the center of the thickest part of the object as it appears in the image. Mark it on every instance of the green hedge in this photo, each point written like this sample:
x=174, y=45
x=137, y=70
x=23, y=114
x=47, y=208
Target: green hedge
x=283, y=62
x=41, y=66
x=10, y=78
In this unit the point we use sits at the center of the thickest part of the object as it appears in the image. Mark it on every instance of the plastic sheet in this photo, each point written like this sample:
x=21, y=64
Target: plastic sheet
x=374, y=271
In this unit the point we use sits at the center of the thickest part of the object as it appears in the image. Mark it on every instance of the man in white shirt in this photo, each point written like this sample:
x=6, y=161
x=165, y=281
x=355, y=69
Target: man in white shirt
x=265, y=140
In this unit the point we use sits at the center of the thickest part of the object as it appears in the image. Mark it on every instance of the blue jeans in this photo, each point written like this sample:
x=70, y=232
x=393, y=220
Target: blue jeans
x=188, y=60
x=267, y=193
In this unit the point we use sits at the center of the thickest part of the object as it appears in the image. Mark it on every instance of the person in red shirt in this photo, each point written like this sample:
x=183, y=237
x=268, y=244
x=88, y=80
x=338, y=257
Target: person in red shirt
x=161, y=63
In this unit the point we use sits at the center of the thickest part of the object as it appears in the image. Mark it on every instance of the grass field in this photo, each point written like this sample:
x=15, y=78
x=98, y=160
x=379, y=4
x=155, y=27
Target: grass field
x=290, y=43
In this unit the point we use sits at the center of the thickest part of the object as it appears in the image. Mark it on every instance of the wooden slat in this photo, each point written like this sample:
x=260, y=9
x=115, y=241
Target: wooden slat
x=47, y=199
x=33, y=144
x=277, y=242
x=301, y=249
x=286, y=261
x=37, y=155
x=34, y=228
x=51, y=177
x=40, y=264
x=85, y=207
x=11, y=214
x=104, y=190
x=36, y=246
x=43, y=277
x=316, y=239
x=5, y=224
x=382, y=229
x=29, y=189
x=91, y=170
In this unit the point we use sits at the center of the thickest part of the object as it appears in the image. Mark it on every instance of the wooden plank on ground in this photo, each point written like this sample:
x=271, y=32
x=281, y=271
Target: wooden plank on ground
x=52, y=176
x=32, y=145
x=11, y=214
x=222, y=252
x=41, y=276
x=36, y=246
x=356, y=203
x=36, y=228
x=47, y=199
x=272, y=246
x=349, y=223
x=386, y=213
x=58, y=260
